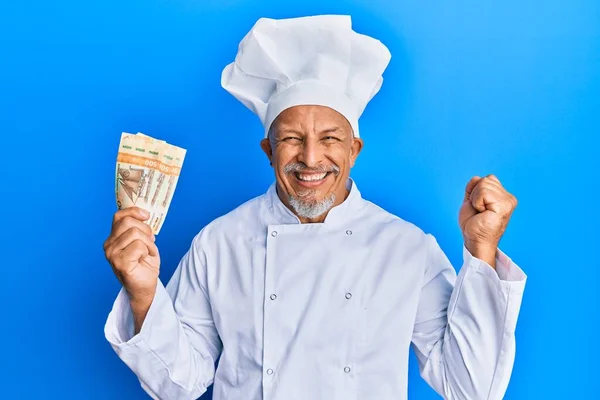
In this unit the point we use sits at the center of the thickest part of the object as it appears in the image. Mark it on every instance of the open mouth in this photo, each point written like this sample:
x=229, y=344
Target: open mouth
x=311, y=179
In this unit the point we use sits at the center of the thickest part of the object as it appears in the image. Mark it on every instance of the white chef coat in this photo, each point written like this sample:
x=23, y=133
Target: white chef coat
x=322, y=311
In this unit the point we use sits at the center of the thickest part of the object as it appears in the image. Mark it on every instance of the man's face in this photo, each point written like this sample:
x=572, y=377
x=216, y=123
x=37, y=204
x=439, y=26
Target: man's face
x=312, y=149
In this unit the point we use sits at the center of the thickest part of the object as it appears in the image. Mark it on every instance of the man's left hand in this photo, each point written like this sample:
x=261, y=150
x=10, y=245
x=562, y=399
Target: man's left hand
x=484, y=215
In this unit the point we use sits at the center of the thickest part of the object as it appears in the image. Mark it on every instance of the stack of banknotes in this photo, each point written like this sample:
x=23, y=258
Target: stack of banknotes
x=146, y=175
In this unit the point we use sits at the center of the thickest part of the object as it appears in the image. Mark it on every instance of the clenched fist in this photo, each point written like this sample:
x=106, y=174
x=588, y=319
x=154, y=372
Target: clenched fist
x=484, y=215
x=134, y=258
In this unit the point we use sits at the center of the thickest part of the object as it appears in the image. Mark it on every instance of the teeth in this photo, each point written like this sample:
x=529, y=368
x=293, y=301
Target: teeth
x=311, y=177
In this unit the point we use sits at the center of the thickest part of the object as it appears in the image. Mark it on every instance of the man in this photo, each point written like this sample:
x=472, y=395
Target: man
x=309, y=291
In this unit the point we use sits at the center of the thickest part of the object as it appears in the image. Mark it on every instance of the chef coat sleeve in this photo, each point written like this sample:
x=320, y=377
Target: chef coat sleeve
x=464, y=333
x=175, y=352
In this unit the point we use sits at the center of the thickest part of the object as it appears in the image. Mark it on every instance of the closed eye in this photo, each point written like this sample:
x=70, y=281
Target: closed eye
x=291, y=139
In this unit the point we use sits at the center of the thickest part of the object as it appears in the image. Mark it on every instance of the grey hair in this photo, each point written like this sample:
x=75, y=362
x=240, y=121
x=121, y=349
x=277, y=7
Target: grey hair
x=271, y=132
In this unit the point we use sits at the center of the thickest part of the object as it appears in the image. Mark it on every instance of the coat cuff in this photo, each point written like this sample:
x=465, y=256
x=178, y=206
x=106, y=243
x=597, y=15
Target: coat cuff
x=119, y=328
x=505, y=285
x=506, y=269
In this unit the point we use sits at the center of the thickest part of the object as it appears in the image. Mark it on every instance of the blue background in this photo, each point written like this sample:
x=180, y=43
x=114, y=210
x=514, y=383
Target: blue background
x=474, y=87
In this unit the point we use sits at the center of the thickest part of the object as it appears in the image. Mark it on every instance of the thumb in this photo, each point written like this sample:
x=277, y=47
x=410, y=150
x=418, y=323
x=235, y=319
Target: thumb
x=470, y=186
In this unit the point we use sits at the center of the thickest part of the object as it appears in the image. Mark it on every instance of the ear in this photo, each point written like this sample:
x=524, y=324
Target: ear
x=265, y=145
x=355, y=148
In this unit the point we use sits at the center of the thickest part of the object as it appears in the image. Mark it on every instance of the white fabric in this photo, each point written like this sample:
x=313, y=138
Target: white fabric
x=322, y=311
x=317, y=60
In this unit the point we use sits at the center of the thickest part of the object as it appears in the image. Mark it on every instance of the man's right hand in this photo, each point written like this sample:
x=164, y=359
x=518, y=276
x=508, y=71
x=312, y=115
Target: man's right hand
x=134, y=257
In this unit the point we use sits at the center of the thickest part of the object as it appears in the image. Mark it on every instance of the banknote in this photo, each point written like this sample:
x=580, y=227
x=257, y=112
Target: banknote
x=146, y=200
x=146, y=175
x=134, y=166
x=172, y=162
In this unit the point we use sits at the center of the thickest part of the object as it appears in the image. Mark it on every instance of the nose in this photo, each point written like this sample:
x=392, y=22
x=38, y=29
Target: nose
x=312, y=153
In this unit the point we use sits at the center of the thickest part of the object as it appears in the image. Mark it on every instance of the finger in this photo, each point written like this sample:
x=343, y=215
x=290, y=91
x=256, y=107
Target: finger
x=514, y=200
x=500, y=193
x=127, y=223
x=134, y=212
x=470, y=186
x=129, y=236
x=492, y=180
x=477, y=199
x=134, y=251
x=486, y=197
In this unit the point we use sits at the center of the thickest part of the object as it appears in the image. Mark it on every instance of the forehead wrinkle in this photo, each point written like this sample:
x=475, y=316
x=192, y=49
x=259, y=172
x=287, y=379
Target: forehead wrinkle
x=300, y=121
x=299, y=128
x=331, y=130
x=289, y=130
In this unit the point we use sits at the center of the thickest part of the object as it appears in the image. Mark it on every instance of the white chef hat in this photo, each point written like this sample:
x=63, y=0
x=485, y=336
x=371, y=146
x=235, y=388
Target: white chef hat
x=316, y=60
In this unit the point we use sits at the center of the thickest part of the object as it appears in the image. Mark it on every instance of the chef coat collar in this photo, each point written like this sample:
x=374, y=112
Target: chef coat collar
x=336, y=215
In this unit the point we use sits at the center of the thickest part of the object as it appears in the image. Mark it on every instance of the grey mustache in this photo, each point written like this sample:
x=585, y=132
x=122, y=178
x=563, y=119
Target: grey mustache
x=299, y=167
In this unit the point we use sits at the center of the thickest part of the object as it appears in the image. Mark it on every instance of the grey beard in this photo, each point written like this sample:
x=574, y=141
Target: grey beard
x=305, y=208
x=311, y=209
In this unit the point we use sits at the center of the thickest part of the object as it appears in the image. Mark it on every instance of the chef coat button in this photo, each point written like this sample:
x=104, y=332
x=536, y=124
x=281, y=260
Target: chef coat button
x=348, y=295
x=274, y=233
x=347, y=369
x=270, y=371
x=348, y=232
x=273, y=296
